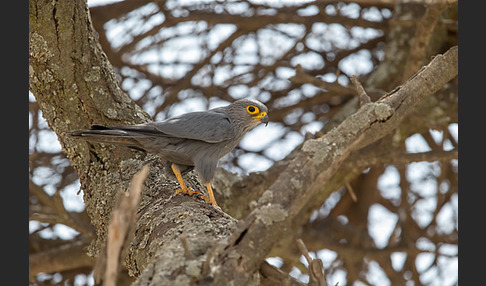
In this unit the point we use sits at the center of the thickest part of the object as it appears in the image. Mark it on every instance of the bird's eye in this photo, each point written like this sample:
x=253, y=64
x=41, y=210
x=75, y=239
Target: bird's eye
x=252, y=109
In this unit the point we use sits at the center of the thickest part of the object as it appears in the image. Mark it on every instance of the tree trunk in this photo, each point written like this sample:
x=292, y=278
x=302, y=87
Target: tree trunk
x=75, y=86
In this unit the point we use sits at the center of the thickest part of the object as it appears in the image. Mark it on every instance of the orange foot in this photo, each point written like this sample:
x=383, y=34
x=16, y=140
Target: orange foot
x=187, y=192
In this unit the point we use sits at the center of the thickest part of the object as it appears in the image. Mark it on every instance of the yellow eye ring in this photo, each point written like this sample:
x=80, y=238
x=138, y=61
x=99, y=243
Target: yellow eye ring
x=252, y=109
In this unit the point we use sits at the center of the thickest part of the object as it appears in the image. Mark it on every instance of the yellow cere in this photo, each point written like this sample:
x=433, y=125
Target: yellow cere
x=255, y=110
x=261, y=115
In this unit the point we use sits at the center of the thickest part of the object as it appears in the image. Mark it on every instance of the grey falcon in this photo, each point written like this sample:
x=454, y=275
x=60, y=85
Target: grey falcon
x=195, y=139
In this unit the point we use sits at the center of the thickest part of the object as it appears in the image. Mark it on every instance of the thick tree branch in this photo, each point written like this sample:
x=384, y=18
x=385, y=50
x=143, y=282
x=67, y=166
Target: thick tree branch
x=319, y=161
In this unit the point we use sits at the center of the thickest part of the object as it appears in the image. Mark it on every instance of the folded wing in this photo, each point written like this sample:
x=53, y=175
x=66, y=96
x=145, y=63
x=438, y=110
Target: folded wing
x=208, y=126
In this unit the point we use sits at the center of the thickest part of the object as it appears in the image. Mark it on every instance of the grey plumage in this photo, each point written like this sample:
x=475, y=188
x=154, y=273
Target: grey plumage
x=196, y=139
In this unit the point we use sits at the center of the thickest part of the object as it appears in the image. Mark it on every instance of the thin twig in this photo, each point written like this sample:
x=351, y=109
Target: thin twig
x=351, y=191
x=187, y=251
x=209, y=258
x=316, y=267
x=302, y=77
x=363, y=97
x=277, y=276
x=304, y=251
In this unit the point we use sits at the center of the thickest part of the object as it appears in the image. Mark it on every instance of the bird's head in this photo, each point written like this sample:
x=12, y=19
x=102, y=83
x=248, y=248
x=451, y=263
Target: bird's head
x=249, y=112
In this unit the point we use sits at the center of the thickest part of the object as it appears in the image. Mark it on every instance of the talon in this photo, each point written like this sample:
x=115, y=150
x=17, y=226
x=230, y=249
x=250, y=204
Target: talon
x=186, y=192
x=184, y=189
x=204, y=197
x=208, y=200
x=191, y=192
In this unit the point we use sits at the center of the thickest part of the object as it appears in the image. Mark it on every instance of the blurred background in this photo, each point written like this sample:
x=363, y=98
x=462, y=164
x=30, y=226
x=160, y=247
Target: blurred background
x=395, y=223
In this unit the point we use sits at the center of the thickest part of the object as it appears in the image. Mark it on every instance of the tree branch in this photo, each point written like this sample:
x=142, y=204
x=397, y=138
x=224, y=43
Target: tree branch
x=363, y=97
x=423, y=34
x=316, y=270
x=276, y=276
x=67, y=256
x=319, y=161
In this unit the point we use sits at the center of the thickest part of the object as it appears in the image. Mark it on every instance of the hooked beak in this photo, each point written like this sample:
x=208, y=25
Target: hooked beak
x=262, y=117
x=265, y=120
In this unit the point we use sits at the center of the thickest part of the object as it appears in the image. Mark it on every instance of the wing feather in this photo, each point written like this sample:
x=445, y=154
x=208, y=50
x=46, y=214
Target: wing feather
x=208, y=126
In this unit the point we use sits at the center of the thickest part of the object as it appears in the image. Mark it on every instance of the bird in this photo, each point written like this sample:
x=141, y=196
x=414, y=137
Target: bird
x=191, y=140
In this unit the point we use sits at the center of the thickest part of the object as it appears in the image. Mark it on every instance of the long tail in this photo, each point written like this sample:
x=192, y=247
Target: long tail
x=109, y=135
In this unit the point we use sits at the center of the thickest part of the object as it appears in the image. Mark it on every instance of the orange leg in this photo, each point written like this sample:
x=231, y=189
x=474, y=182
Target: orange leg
x=184, y=189
x=212, y=200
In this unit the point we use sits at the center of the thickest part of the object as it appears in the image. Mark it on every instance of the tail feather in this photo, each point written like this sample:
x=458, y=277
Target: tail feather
x=109, y=135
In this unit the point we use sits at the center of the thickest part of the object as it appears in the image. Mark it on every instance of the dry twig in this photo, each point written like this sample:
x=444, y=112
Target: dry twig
x=351, y=191
x=363, y=97
x=122, y=221
x=316, y=268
